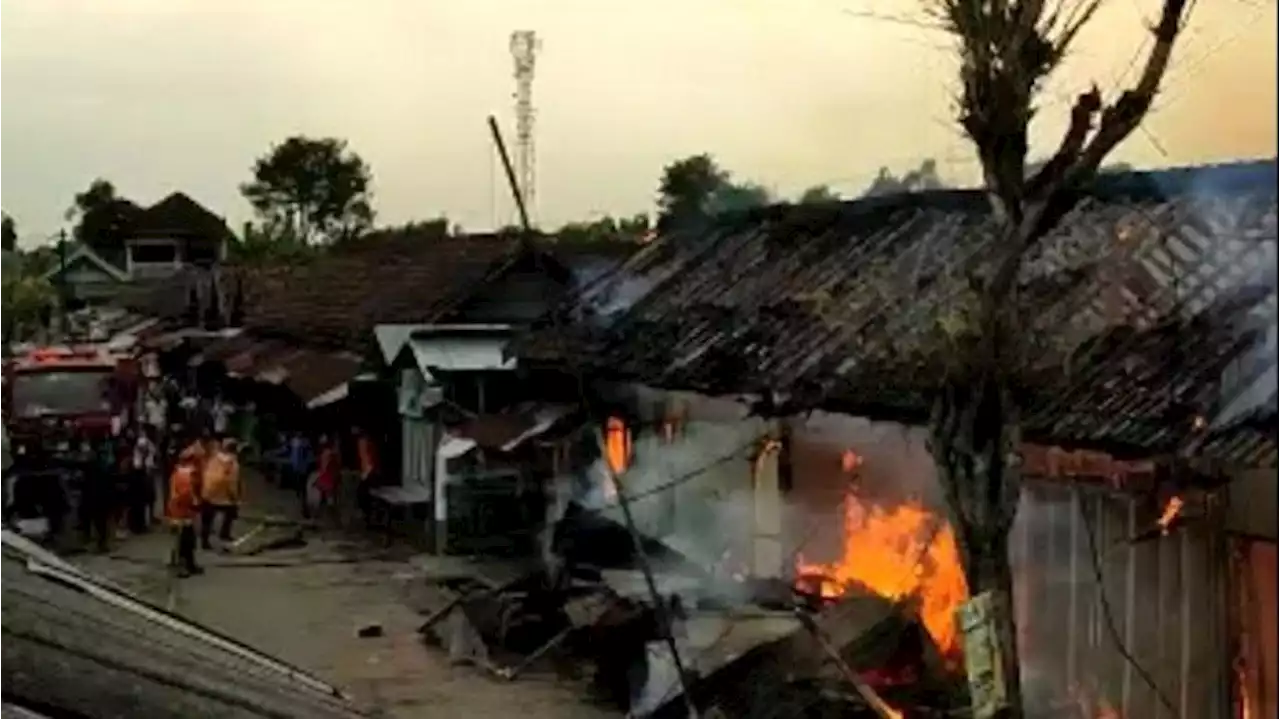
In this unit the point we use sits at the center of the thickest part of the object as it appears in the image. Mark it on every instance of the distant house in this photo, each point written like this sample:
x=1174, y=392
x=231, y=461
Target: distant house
x=90, y=278
x=145, y=243
x=175, y=232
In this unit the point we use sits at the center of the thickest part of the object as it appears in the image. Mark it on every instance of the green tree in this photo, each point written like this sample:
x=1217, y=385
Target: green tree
x=695, y=188
x=686, y=187
x=920, y=179
x=734, y=197
x=8, y=233
x=1008, y=49
x=265, y=243
x=28, y=298
x=605, y=229
x=102, y=218
x=818, y=194
x=317, y=188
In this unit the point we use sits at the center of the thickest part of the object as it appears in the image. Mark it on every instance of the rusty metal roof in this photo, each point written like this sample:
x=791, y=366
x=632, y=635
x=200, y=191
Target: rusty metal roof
x=1152, y=282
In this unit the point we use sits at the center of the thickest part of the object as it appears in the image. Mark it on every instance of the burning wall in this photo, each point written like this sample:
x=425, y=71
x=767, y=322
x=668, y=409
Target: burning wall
x=863, y=508
x=1163, y=593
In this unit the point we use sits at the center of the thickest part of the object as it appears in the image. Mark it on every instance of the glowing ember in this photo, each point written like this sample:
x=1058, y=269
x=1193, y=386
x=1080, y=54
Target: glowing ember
x=899, y=552
x=1171, y=511
x=850, y=461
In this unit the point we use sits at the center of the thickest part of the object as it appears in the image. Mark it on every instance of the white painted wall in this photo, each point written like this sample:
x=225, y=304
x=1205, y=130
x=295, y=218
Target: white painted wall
x=707, y=514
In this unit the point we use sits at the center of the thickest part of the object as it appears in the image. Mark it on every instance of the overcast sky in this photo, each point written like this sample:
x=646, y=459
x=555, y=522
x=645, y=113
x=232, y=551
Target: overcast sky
x=162, y=95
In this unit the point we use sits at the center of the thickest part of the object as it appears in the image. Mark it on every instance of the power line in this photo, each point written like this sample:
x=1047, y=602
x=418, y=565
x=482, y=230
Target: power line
x=1109, y=619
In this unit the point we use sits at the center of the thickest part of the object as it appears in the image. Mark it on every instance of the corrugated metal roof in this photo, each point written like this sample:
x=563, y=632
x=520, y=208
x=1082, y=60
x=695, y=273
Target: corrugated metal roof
x=76, y=645
x=1150, y=280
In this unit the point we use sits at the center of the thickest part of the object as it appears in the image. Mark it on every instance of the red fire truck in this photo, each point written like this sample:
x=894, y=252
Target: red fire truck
x=56, y=394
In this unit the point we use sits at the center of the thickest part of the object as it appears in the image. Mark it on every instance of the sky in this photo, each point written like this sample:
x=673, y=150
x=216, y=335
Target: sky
x=164, y=95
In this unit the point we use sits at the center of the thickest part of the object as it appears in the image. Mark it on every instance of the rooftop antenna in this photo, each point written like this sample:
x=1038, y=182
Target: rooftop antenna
x=524, y=51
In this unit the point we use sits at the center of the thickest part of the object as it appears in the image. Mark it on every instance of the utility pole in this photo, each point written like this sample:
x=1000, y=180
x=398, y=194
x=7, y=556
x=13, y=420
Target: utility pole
x=62, y=283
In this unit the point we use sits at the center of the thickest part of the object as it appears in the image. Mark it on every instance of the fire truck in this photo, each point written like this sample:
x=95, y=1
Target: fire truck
x=54, y=395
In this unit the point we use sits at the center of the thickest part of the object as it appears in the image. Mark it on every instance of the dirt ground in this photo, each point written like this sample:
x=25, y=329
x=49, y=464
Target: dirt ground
x=304, y=606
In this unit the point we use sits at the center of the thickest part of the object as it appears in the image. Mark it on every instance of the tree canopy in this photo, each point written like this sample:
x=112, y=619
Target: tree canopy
x=100, y=214
x=920, y=179
x=26, y=297
x=818, y=194
x=315, y=190
x=8, y=233
x=605, y=229
x=695, y=187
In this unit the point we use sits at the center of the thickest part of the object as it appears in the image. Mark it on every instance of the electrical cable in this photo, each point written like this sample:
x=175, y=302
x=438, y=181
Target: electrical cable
x=1109, y=619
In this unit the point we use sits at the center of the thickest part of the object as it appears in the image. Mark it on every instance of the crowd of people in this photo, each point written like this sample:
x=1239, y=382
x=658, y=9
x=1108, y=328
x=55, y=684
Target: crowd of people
x=177, y=464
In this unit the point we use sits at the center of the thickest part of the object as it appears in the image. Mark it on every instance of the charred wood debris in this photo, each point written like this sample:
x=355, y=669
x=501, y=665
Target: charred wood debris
x=752, y=649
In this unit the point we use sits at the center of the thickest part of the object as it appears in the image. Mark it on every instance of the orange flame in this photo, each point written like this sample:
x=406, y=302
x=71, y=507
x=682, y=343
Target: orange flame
x=1171, y=511
x=899, y=552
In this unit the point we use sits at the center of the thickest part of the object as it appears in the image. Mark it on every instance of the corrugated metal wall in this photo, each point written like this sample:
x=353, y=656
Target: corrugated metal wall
x=1164, y=597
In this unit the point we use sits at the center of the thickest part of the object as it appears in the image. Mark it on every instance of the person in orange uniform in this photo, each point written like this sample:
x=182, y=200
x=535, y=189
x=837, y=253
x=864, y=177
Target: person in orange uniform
x=368, y=456
x=221, y=490
x=182, y=508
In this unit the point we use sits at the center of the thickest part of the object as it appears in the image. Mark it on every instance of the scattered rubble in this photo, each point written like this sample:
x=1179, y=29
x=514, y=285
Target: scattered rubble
x=776, y=654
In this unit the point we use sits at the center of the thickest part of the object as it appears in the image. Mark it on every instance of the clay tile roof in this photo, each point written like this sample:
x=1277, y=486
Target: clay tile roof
x=178, y=214
x=340, y=297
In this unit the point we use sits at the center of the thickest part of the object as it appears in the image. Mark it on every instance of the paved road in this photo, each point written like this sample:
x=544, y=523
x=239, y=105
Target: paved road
x=304, y=606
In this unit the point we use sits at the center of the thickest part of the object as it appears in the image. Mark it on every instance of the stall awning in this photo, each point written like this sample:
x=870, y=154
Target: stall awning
x=243, y=364
x=320, y=378
x=507, y=431
x=463, y=353
x=222, y=348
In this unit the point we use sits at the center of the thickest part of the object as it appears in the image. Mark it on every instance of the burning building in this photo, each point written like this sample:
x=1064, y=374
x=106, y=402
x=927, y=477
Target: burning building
x=767, y=421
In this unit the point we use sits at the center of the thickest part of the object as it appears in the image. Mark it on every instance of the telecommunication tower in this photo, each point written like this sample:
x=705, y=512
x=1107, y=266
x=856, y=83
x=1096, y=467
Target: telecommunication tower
x=524, y=50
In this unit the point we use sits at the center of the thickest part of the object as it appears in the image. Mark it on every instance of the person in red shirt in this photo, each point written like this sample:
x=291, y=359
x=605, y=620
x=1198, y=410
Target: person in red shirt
x=368, y=456
x=328, y=472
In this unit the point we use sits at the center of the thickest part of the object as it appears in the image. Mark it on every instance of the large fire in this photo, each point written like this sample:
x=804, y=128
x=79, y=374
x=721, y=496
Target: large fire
x=899, y=552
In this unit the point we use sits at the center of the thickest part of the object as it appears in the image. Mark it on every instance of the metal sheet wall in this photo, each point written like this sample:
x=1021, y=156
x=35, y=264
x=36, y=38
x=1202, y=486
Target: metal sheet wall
x=1161, y=599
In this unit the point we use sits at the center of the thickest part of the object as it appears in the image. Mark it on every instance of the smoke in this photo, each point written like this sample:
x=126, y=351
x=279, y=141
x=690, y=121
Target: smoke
x=1243, y=392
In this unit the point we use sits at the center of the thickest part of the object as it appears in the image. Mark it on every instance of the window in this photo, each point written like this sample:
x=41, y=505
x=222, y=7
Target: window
x=59, y=392
x=202, y=253
x=161, y=253
x=617, y=445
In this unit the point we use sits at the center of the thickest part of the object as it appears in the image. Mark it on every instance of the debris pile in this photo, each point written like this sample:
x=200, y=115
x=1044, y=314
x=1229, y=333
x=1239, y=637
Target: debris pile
x=769, y=652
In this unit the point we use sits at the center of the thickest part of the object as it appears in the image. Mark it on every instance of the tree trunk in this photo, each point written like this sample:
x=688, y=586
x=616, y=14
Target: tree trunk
x=974, y=440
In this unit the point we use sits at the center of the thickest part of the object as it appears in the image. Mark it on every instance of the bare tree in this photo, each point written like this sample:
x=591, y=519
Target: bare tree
x=1007, y=50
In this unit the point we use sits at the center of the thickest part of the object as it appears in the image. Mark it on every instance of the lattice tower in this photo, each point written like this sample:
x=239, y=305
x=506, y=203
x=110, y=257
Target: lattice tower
x=524, y=50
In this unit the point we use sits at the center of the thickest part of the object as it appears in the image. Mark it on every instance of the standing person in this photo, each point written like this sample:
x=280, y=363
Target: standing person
x=298, y=461
x=153, y=410
x=145, y=465
x=220, y=415
x=182, y=507
x=221, y=491
x=97, y=495
x=367, y=454
x=328, y=473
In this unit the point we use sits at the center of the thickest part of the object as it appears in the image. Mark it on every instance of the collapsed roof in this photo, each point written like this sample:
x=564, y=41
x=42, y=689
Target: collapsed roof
x=1158, y=283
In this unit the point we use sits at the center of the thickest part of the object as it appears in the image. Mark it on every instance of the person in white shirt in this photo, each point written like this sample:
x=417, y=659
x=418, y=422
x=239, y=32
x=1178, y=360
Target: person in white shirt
x=146, y=460
x=153, y=409
x=221, y=412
